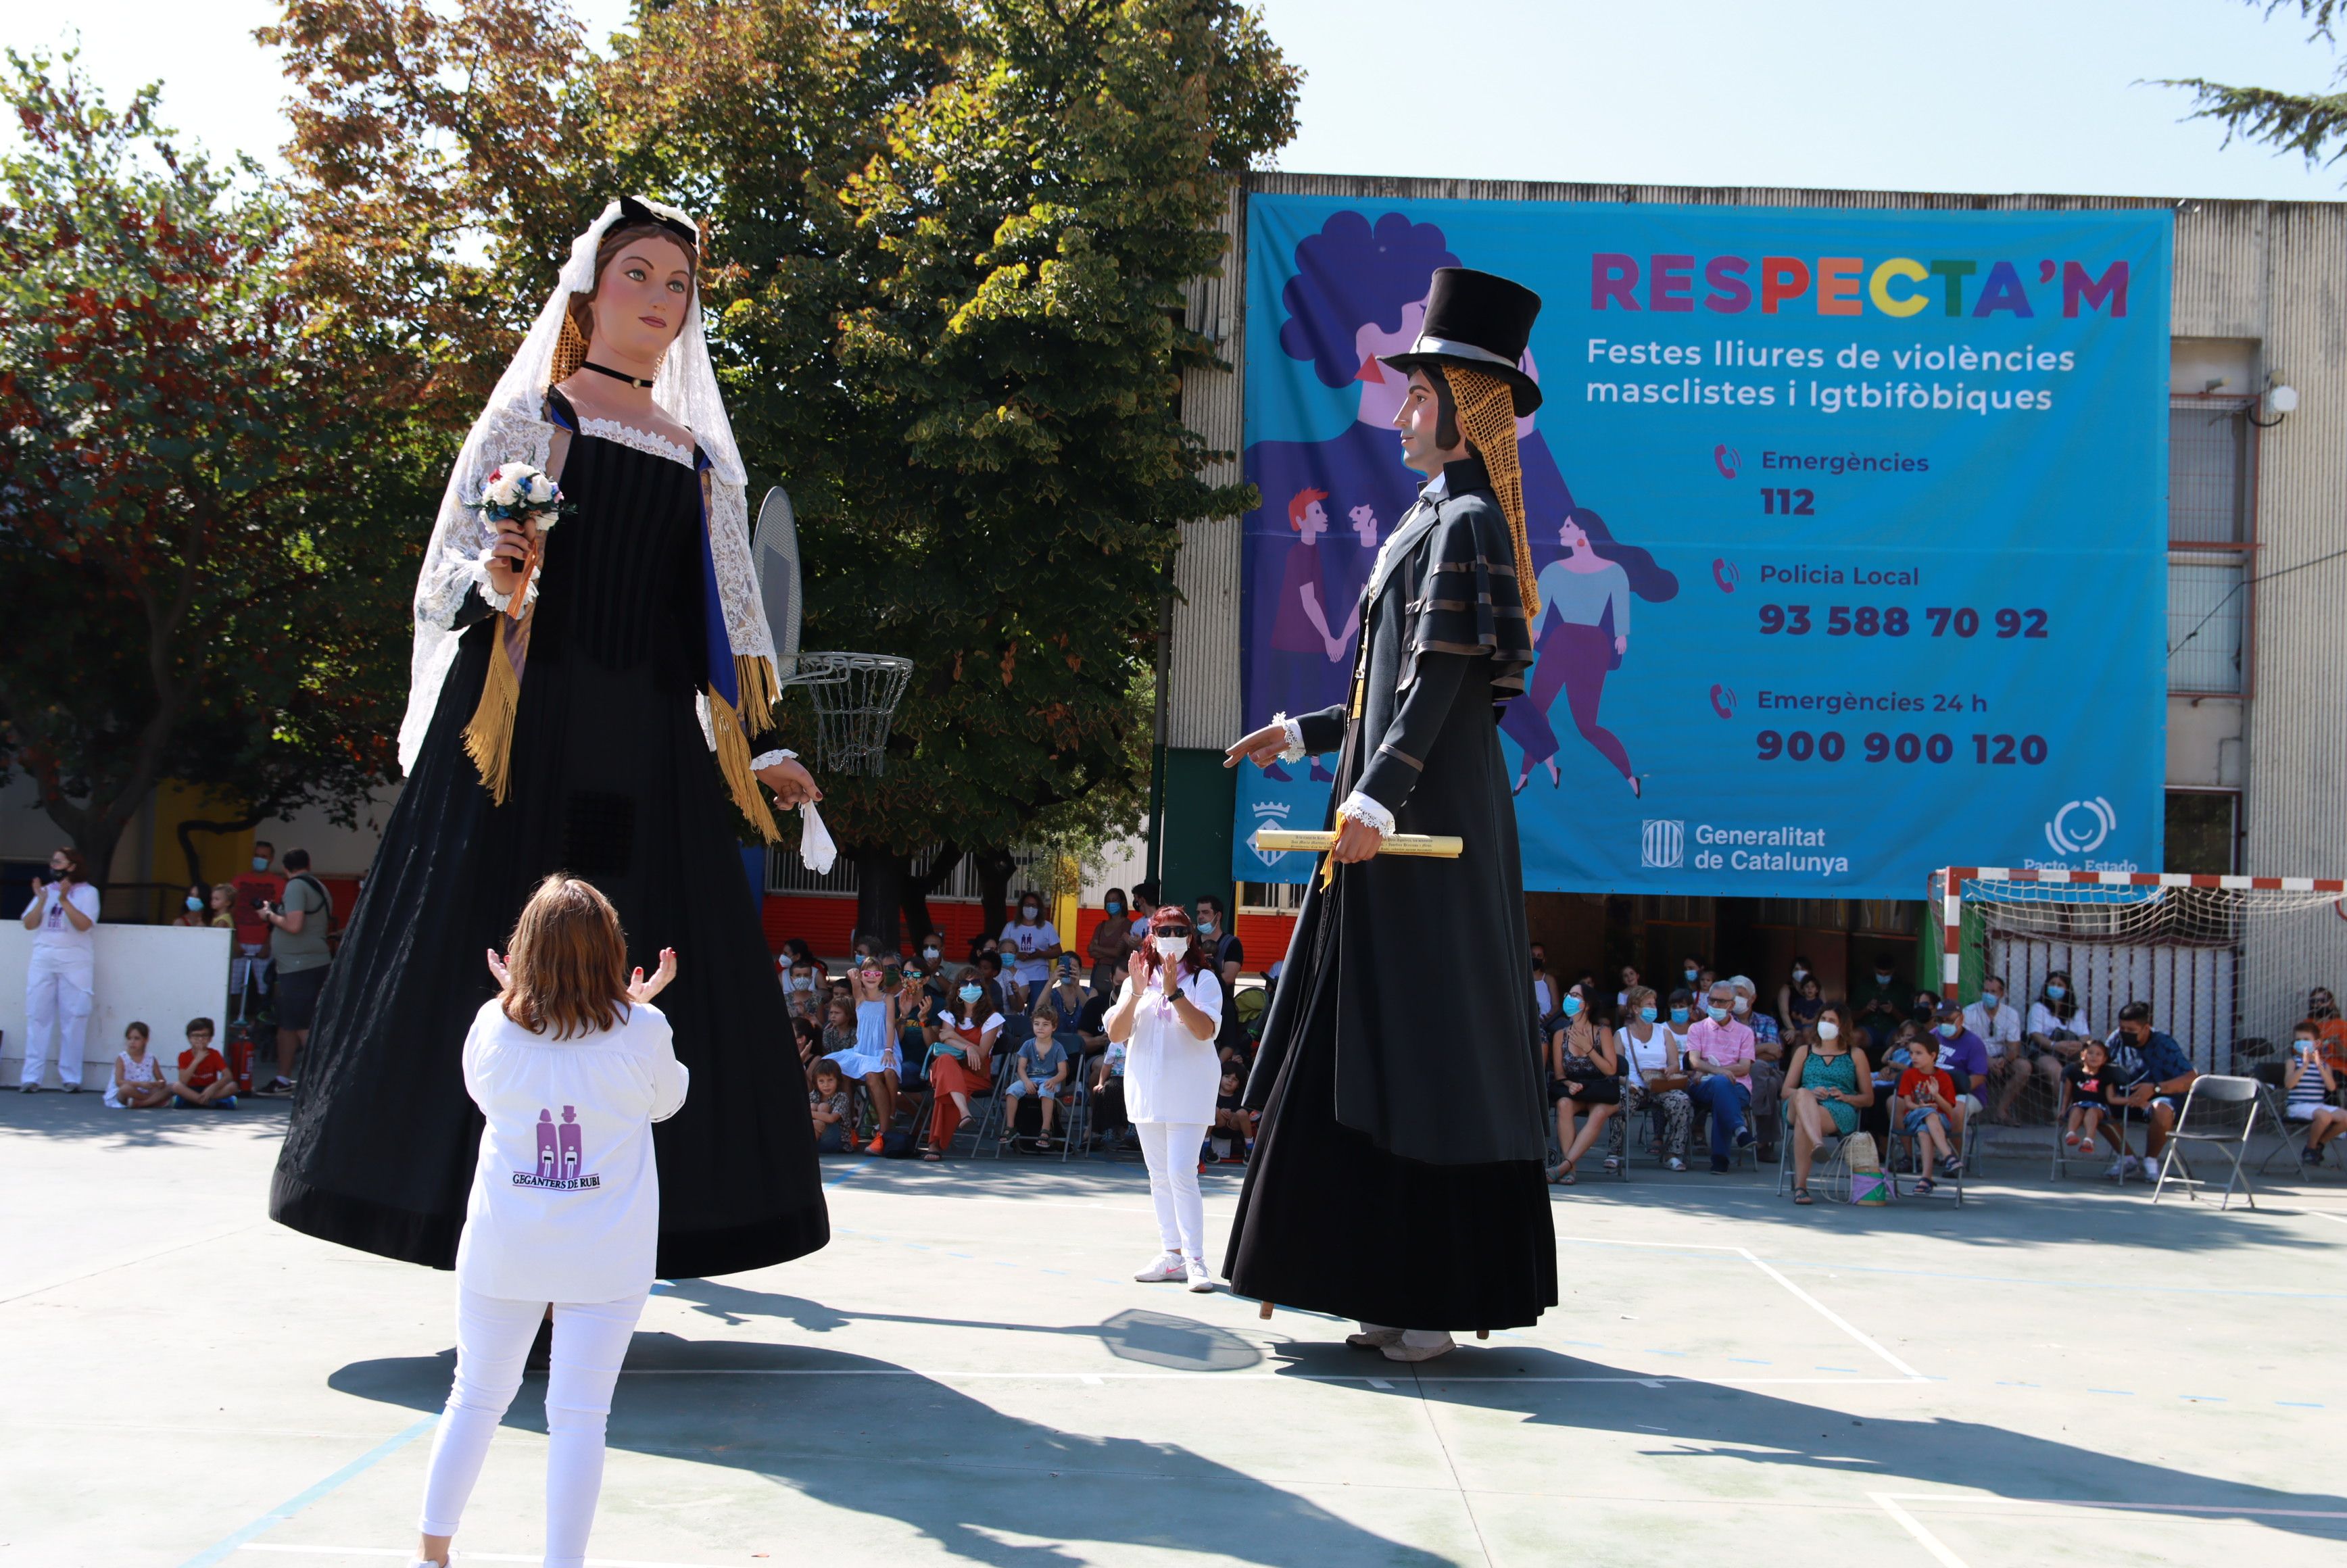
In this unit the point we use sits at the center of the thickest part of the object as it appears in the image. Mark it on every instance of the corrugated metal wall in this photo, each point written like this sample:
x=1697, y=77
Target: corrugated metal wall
x=1201, y=695
x=2270, y=271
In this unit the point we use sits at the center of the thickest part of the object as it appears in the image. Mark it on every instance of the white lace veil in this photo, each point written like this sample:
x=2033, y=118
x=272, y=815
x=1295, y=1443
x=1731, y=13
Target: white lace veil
x=513, y=428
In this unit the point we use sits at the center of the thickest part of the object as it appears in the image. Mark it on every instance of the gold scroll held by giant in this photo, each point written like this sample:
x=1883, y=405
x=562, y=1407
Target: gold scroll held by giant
x=1435, y=845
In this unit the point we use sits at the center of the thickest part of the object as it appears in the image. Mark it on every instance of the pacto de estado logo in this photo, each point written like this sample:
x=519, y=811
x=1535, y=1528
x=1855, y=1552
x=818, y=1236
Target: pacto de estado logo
x=2081, y=826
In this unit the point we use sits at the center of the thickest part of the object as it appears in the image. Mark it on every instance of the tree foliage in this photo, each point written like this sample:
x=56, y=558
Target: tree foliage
x=943, y=282
x=193, y=597
x=2313, y=124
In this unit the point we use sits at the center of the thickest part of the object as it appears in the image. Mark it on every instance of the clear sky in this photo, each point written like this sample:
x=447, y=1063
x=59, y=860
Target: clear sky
x=1991, y=95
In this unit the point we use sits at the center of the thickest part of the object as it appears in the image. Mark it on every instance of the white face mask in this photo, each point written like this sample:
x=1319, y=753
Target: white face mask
x=1743, y=1005
x=1173, y=946
x=1829, y=1029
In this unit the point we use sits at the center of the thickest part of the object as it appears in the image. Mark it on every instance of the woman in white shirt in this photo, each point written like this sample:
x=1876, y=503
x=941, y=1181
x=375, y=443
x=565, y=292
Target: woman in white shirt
x=61, y=977
x=564, y=1216
x=1653, y=1074
x=1168, y=1015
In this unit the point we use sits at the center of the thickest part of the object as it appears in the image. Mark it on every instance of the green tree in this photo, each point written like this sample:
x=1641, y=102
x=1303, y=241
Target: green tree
x=1000, y=464
x=194, y=596
x=2311, y=124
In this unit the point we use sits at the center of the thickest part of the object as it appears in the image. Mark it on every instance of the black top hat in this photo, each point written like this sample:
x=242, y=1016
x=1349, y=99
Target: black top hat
x=1477, y=320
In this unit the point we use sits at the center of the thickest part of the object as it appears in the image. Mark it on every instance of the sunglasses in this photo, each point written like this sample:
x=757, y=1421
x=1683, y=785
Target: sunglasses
x=1170, y=931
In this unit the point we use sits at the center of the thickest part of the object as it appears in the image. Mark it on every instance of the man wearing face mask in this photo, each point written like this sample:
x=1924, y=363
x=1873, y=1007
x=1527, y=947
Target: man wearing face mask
x=256, y=891
x=1767, y=1079
x=1880, y=1008
x=1964, y=1056
x=1398, y=1175
x=1720, y=1052
x=1999, y=1027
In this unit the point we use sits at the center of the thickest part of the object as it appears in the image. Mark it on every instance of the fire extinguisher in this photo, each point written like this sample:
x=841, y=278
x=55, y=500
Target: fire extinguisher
x=240, y=1056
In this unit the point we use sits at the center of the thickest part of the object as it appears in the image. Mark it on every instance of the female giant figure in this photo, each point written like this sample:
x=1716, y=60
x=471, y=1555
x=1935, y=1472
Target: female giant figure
x=600, y=731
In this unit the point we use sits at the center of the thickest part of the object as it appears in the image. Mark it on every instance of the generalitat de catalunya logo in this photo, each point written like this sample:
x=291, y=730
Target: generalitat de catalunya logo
x=2080, y=826
x=1662, y=843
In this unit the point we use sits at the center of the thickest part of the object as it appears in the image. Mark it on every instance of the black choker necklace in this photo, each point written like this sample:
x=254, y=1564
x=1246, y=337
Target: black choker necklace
x=614, y=375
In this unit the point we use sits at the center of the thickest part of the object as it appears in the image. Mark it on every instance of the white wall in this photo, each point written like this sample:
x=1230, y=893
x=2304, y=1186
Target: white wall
x=161, y=974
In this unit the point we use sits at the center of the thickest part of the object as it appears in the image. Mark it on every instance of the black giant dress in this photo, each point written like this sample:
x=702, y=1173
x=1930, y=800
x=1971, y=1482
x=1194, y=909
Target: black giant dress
x=612, y=781
x=1398, y=1176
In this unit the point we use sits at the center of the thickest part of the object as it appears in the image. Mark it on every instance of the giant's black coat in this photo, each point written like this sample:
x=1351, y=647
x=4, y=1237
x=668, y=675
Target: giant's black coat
x=1398, y=1176
x=614, y=781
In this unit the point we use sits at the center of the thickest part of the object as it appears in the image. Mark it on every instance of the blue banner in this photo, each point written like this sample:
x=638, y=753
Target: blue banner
x=1851, y=529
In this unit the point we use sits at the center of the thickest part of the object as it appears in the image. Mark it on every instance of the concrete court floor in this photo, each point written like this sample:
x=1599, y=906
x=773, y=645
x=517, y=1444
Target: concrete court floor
x=967, y=1374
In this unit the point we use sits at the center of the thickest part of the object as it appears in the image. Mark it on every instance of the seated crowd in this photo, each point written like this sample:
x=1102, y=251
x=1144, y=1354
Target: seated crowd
x=1908, y=1068
x=898, y=1049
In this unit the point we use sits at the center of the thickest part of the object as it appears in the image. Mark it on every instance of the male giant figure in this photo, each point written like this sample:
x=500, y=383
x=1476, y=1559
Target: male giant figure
x=1397, y=1175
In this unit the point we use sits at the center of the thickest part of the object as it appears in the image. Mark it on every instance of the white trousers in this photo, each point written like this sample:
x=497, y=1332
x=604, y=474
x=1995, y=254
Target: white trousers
x=493, y=1339
x=58, y=991
x=1171, y=1150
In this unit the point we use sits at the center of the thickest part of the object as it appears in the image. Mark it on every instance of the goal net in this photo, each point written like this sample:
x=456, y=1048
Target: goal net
x=2225, y=962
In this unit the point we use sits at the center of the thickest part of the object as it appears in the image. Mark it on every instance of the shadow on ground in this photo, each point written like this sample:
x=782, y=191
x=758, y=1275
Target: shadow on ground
x=867, y=1434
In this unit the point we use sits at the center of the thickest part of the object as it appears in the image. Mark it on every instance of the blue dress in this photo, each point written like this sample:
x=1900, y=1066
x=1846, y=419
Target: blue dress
x=1834, y=1072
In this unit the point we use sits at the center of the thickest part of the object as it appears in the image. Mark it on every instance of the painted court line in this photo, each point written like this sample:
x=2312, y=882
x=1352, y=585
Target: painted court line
x=942, y=1376
x=1864, y=1339
x=455, y=1557
x=1914, y=1527
x=2217, y=1508
x=301, y=1500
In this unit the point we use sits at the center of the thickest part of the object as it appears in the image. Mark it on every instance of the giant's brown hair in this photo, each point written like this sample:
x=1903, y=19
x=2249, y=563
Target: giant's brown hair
x=579, y=315
x=567, y=961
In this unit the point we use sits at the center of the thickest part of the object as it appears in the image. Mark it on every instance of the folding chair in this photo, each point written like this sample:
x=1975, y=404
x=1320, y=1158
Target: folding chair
x=1911, y=1144
x=2118, y=1121
x=1825, y=1167
x=2220, y=1113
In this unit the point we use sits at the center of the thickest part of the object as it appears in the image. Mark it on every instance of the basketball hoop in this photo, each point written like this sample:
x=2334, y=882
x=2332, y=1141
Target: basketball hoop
x=854, y=694
x=855, y=697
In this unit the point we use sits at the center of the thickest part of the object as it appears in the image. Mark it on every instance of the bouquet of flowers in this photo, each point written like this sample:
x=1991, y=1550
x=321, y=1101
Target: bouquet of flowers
x=520, y=493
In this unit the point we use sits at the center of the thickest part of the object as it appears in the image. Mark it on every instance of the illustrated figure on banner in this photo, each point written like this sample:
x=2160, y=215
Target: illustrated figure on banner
x=1359, y=293
x=1585, y=635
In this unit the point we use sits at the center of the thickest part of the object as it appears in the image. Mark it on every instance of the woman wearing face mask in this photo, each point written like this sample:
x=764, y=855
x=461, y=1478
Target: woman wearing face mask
x=1790, y=991
x=1582, y=1068
x=1832, y=1082
x=961, y=1064
x=1168, y=1017
x=1032, y=943
x=2057, y=1028
x=61, y=977
x=1112, y=941
x=1653, y=1078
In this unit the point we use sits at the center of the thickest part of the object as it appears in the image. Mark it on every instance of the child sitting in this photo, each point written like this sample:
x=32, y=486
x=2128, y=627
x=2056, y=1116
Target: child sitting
x=2309, y=1079
x=1925, y=1104
x=1231, y=1120
x=1040, y=1069
x=204, y=1078
x=827, y=1101
x=2090, y=1082
x=138, y=1081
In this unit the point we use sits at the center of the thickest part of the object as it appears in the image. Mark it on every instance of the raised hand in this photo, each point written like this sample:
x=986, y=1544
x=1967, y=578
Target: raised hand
x=643, y=989
x=497, y=968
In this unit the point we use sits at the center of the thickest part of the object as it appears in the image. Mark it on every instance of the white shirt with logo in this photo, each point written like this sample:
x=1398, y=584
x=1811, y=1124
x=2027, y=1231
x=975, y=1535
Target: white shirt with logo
x=56, y=933
x=566, y=1196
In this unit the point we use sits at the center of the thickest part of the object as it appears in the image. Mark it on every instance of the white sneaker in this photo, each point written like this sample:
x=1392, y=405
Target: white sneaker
x=1420, y=1344
x=1167, y=1266
x=1202, y=1279
x=1373, y=1337
x=2146, y=1168
x=2120, y=1167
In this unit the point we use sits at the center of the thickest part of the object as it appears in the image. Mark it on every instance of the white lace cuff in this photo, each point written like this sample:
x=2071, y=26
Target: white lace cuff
x=1295, y=752
x=768, y=759
x=497, y=602
x=1362, y=809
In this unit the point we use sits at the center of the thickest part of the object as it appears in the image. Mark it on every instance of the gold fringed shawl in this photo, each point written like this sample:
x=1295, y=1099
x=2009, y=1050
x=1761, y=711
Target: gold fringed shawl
x=1487, y=418
x=489, y=738
x=732, y=728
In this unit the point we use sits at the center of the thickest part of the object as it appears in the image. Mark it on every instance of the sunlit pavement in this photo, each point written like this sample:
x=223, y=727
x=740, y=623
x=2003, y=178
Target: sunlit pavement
x=2050, y=1374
